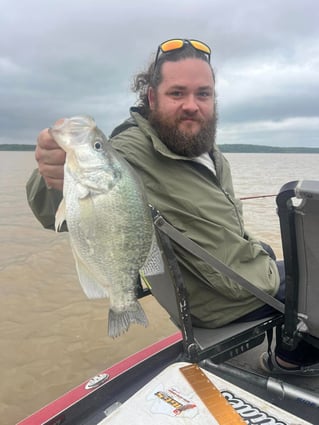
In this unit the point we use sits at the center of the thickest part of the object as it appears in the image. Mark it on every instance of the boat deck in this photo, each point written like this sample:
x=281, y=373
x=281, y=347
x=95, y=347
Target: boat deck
x=249, y=362
x=170, y=397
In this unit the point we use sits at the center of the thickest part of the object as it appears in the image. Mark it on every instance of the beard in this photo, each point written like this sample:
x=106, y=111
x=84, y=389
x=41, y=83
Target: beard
x=181, y=142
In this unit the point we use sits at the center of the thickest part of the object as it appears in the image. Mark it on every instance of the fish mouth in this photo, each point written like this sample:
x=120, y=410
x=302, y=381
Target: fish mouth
x=75, y=124
x=55, y=130
x=59, y=123
x=70, y=131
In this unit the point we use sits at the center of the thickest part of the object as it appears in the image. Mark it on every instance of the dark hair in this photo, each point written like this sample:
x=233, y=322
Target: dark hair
x=152, y=77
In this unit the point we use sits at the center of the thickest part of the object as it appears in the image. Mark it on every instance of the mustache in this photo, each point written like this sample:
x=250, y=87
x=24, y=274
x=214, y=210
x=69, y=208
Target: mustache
x=190, y=116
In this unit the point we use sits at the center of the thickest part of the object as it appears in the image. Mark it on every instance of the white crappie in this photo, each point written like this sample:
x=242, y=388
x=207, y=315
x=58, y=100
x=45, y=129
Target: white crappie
x=109, y=221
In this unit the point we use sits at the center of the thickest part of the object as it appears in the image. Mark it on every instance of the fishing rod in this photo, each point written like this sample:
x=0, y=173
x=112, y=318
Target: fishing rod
x=256, y=197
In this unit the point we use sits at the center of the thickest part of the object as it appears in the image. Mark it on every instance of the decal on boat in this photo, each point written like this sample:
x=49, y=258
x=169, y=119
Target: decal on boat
x=96, y=381
x=252, y=414
x=172, y=402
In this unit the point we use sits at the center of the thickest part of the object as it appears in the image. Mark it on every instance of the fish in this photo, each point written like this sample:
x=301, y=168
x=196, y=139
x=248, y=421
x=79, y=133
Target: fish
x=108, y=219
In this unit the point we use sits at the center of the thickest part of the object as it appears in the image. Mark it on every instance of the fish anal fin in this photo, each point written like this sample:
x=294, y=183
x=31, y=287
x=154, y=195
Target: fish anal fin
x=60, y=215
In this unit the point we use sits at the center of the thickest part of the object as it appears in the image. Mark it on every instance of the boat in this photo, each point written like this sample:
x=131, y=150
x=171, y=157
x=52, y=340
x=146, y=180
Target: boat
x=134, y=381
x=211, y=376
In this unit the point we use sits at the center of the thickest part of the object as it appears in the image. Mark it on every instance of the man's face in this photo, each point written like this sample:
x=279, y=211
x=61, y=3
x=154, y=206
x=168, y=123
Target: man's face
x=183, y=107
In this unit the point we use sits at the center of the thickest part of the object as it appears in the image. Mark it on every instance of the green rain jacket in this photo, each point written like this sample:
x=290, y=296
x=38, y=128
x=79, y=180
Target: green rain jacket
x=200, y=204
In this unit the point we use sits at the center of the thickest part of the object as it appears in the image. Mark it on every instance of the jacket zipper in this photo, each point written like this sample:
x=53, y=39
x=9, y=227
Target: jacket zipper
x=230, y=199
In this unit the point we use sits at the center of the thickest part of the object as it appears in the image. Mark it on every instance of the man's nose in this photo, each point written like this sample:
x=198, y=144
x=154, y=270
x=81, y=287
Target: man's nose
x=190, y=103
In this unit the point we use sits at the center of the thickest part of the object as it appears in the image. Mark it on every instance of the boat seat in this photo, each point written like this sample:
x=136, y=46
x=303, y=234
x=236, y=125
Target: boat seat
x=299, y=224
x=218, y=344
x=298, y=211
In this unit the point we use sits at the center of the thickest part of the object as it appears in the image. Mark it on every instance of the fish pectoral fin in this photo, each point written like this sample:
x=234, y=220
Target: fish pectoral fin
x=60, y=215
x=82, y=191
x=154, y=264
x=90, y=286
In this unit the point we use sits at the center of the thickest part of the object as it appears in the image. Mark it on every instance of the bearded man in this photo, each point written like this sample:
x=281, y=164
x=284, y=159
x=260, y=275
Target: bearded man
x=170, y=141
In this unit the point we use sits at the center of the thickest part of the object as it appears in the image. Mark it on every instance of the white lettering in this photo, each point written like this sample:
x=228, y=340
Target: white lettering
x=250, y=414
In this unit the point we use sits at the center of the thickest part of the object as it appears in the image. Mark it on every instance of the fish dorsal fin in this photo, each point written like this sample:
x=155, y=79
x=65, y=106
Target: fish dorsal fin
x=154, y=264
x=60, y=215
x=90, y=286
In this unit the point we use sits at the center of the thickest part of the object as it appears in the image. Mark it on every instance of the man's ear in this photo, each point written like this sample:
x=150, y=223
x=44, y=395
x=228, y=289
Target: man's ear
x=151, y=98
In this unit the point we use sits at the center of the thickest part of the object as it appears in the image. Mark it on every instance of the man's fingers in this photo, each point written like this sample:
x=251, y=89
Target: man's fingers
x=53, y=183
x=46, y=141
x=54, y=156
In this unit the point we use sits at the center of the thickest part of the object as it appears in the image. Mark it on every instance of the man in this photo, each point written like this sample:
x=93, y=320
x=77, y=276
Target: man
x=170, y=141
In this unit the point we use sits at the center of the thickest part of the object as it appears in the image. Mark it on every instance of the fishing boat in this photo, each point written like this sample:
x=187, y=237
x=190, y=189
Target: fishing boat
x=211, y=376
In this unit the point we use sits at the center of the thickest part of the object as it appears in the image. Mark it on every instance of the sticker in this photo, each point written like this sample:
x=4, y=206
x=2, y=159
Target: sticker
x=171, y=401
x=96, y=381
x=251, y=414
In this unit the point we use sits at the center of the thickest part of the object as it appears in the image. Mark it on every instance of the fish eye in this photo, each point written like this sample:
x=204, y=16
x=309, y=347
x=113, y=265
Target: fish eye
x=98, y=146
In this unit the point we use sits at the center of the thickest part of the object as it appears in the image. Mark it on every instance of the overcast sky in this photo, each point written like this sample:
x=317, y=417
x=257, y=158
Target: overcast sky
x=66, y=57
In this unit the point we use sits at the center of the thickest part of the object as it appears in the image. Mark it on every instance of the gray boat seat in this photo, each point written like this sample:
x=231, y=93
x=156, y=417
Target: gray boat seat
x=298, y=210
x=299, y=224
x=218, y=344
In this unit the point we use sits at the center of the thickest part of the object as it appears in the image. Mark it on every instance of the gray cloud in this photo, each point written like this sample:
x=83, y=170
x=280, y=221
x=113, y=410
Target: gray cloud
x=60, y=58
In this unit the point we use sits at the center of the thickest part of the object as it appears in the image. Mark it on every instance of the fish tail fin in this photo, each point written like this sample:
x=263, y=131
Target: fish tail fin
x=119, y=321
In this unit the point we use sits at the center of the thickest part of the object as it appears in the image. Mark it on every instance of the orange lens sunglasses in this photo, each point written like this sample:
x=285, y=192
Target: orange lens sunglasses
x=176, y=44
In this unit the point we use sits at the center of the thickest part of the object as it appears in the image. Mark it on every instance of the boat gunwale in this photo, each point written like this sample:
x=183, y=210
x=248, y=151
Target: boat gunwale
x=54, y=412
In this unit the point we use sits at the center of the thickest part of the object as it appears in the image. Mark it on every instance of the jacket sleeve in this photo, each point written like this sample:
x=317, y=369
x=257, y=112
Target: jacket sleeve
x=43, y=201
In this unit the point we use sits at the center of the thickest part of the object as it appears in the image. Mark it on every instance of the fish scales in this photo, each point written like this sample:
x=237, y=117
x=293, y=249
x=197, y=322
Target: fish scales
x=109, y=221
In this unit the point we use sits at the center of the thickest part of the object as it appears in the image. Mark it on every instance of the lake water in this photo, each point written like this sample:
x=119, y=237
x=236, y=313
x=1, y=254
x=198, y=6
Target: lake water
x=51, y=336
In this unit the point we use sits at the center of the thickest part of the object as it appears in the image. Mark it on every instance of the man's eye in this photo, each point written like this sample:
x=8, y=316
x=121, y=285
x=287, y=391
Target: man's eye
x=204, y=94
x=176, y=93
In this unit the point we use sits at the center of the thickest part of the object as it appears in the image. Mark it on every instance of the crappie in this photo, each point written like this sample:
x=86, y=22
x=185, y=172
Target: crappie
x=108, y=218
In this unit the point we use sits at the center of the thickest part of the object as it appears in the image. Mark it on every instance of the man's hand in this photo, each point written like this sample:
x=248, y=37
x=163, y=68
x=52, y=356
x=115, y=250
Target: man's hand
x=51, y=159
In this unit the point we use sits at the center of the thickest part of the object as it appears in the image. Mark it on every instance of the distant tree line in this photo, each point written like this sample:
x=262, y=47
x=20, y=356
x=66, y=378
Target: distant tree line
x=13, y=147
x=241, y=148
x=228, y=148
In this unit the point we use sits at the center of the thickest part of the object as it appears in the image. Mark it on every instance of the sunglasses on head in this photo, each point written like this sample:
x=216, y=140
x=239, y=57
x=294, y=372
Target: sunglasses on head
x=178, y=43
